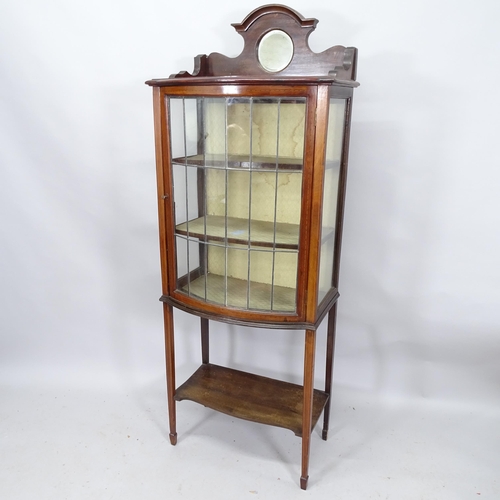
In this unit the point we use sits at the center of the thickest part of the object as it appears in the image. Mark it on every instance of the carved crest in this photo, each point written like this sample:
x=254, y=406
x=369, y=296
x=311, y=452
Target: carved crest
x=276, y=46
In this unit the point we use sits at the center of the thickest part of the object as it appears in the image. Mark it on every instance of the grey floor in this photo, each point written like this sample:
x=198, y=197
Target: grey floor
x=62, y=441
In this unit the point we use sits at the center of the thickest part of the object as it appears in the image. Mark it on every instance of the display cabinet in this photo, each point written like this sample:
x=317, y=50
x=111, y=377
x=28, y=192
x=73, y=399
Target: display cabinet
x=251, y=166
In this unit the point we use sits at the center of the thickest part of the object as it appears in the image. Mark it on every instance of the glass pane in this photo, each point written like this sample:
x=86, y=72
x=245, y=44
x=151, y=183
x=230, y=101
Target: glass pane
x=184, y=128
x=182, y=260
x=237, y=171
x=190, y=259
x=187, y=188
x=335, y=138
x=284, y=280
x=214, y=139
x=176, y=112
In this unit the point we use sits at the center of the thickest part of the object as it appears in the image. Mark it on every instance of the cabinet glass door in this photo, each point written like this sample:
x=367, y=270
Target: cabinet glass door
x=237, y=176
x=334, y=142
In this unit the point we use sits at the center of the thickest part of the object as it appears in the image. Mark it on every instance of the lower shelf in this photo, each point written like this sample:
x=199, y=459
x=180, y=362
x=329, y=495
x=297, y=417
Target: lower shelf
x=250, y=397
x=215, y=288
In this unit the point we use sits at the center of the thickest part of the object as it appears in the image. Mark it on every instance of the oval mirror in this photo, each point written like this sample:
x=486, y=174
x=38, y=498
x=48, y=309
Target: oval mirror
x=275, y=51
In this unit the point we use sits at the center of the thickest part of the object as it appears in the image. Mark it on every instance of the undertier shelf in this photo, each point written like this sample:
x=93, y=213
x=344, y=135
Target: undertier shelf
x=262, y=233
x=250, y=397
x=242, y=294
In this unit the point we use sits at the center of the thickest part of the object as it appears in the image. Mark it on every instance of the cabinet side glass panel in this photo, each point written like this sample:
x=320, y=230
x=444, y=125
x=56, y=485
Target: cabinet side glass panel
x=237, y=174
x=335, y=136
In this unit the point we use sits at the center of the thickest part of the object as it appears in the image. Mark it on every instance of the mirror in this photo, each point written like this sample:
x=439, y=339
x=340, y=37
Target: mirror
x=275, y=51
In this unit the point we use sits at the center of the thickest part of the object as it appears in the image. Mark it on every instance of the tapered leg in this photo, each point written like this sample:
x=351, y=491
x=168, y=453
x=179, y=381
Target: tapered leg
x=330, y=351
x=205, y=353
x=310, y=347
x=170, y=364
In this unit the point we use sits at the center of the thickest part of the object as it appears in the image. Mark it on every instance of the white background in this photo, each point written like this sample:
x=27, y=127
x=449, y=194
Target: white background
x=419, y=313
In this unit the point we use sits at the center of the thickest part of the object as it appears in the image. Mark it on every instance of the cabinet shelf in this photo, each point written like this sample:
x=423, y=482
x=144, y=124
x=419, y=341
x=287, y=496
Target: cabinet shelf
x=243, y=162
x=256, y=162
x=250, y=397
x=242, y=294
x=262, y=233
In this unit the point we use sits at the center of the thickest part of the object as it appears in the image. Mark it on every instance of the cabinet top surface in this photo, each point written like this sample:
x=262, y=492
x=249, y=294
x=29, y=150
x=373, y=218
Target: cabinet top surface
x=239, y=80
x=276, y=51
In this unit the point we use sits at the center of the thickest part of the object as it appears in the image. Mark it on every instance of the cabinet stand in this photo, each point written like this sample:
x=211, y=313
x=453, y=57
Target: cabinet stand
x=253, y=397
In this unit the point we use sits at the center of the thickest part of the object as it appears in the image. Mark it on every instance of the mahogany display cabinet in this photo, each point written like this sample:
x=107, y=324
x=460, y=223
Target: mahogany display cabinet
x=251, y=159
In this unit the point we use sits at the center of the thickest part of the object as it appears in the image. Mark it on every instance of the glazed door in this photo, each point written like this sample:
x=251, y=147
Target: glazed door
x=237, y=170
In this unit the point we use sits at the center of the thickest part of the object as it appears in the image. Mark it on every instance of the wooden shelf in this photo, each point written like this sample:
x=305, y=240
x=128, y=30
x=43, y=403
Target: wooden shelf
x=287, y=235
x=214, y=286
x=250, y=397
x=242, y=162
x=261, y=232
